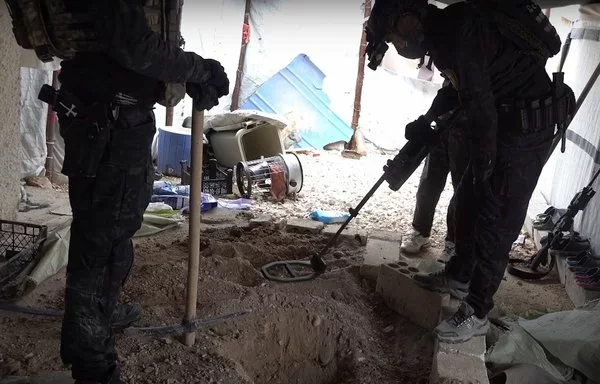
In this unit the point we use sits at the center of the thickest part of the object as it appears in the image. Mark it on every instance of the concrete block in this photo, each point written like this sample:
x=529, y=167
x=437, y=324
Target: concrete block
x=261, y=221
x=219, y=215
x=474, y=348
x=349, y=234
x=379, y=252
x=304, y=226
x=407, y=298
x=537, y=237
x=578, y=295
x=561, y=266
x=451, y=368
x=385, y=235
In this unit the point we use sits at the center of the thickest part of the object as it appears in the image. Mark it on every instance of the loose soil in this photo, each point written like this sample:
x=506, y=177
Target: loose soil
x=331, y=330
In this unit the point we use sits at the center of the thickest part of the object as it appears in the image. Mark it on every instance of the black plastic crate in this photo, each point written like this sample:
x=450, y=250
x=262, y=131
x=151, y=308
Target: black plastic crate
x=214, y=180
x=20, y=250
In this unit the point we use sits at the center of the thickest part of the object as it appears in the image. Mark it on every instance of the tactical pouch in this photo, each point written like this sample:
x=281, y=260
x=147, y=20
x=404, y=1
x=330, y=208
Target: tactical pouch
x=85, y=144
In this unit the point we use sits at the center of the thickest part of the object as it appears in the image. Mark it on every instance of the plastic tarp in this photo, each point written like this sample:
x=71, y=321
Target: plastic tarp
x=56, y=248
x=564, y=345
x=566, y=173
x=34, y=115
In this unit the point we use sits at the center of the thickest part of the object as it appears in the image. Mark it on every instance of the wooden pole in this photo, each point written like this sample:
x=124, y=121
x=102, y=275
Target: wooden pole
x=235, y=97
x=356, y=146
x=195, y=205
x=50, y=128
x=169, y=116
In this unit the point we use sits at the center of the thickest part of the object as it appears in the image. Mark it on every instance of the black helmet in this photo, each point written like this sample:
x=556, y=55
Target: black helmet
x=381, y=21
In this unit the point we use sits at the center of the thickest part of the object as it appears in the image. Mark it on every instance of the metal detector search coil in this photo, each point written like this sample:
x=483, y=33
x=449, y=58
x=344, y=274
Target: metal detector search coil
x=256, y=176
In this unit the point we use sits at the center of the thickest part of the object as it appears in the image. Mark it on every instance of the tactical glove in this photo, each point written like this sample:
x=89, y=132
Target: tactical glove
x=419, y=129
x=218, y=78
x=445, y=101
x=205, y=96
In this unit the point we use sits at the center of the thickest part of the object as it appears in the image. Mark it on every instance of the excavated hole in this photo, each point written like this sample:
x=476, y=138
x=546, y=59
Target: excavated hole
x=297, y=348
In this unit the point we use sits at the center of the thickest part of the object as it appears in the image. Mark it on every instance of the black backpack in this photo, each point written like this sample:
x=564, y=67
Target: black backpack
x=522, y=22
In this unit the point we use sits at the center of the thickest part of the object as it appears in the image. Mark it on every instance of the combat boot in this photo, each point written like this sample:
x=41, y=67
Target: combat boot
x=441, y=282
x=125, y=315
x=462, y=326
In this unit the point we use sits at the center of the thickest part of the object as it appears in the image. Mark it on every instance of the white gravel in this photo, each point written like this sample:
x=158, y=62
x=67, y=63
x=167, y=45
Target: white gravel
x=332, y=182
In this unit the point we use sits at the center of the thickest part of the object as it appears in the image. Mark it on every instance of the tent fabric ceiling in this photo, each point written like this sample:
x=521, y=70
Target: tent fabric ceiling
x=542, y=3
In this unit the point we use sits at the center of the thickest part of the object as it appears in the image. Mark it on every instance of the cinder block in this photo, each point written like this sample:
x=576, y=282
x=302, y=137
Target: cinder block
x=350, y=234
x=561, y=266
x=385, y=235
x=379, y=252
x=578, y=295
x=407, y=298
x=304, y=226
x=537, y=237
x=261, y=221
x=450, y=368
x=474, y=348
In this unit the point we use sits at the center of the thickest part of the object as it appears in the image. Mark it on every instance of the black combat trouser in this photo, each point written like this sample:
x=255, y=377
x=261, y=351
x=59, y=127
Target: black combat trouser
x=107, y=212
x=449, y=155
x=482, y=248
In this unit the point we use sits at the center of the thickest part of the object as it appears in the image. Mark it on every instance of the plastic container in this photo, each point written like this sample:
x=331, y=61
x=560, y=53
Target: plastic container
x=173, y=145
x=232, y=146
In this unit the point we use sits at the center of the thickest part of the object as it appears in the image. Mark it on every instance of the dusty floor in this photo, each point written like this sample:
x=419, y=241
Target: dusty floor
x=334, y=330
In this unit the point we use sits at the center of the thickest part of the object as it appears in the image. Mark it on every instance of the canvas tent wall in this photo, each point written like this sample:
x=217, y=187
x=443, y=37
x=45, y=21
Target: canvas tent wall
x=329, y=33
x=566, y=173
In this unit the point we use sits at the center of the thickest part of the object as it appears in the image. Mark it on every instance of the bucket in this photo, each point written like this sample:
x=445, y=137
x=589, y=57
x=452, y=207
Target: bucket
x=256, y=176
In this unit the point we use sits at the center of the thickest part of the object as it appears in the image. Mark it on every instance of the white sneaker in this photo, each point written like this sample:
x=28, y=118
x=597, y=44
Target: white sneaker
x=447, y=253
x=415, y=243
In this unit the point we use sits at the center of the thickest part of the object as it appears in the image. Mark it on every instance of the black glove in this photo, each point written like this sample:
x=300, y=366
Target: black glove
x=488, y=206
x=218, y=78
x=205, y=96
x=419, y=129
x=445, y=101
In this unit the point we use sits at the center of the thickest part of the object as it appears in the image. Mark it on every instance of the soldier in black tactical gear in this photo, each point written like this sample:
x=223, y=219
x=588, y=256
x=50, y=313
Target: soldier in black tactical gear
x=116, y=68
x=448, y=155
x=512, y=107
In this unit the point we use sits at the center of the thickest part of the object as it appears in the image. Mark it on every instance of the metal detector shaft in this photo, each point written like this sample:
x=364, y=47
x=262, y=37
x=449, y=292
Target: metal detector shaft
x=317, y=261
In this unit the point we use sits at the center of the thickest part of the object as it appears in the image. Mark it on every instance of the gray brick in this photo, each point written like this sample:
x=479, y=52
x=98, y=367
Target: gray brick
x=379, y=252
x=386, y=235
x=561, y=266
x=349, y=234
x=404, y=296
x=457, y=369
x=262, y=221
x=474, y=347
x=304, y=226
x=578, y=295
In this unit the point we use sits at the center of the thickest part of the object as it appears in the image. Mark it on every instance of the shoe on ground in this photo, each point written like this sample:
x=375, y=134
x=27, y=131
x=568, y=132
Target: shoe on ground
x=415, y=243
x=125, y=315
x=448, y=252
x=440, y=282
x=462, y=326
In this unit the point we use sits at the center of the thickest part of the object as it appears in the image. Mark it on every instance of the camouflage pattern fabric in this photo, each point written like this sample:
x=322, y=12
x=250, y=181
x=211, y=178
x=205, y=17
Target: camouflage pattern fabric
x=107, y=212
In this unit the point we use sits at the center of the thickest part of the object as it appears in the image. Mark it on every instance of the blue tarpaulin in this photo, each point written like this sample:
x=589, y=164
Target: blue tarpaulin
x=298, y=88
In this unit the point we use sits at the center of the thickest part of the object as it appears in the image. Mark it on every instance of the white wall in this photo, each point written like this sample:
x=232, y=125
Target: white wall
x=9, y=118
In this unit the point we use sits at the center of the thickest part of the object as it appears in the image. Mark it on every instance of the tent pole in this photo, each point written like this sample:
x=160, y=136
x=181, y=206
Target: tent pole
x=356, y=144
x=235, y=97
x=50, y=127
x=169, y=116
x=195, y=205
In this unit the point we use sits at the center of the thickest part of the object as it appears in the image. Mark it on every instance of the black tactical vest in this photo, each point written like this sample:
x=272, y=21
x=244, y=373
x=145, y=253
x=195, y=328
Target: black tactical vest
x=61, y=28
